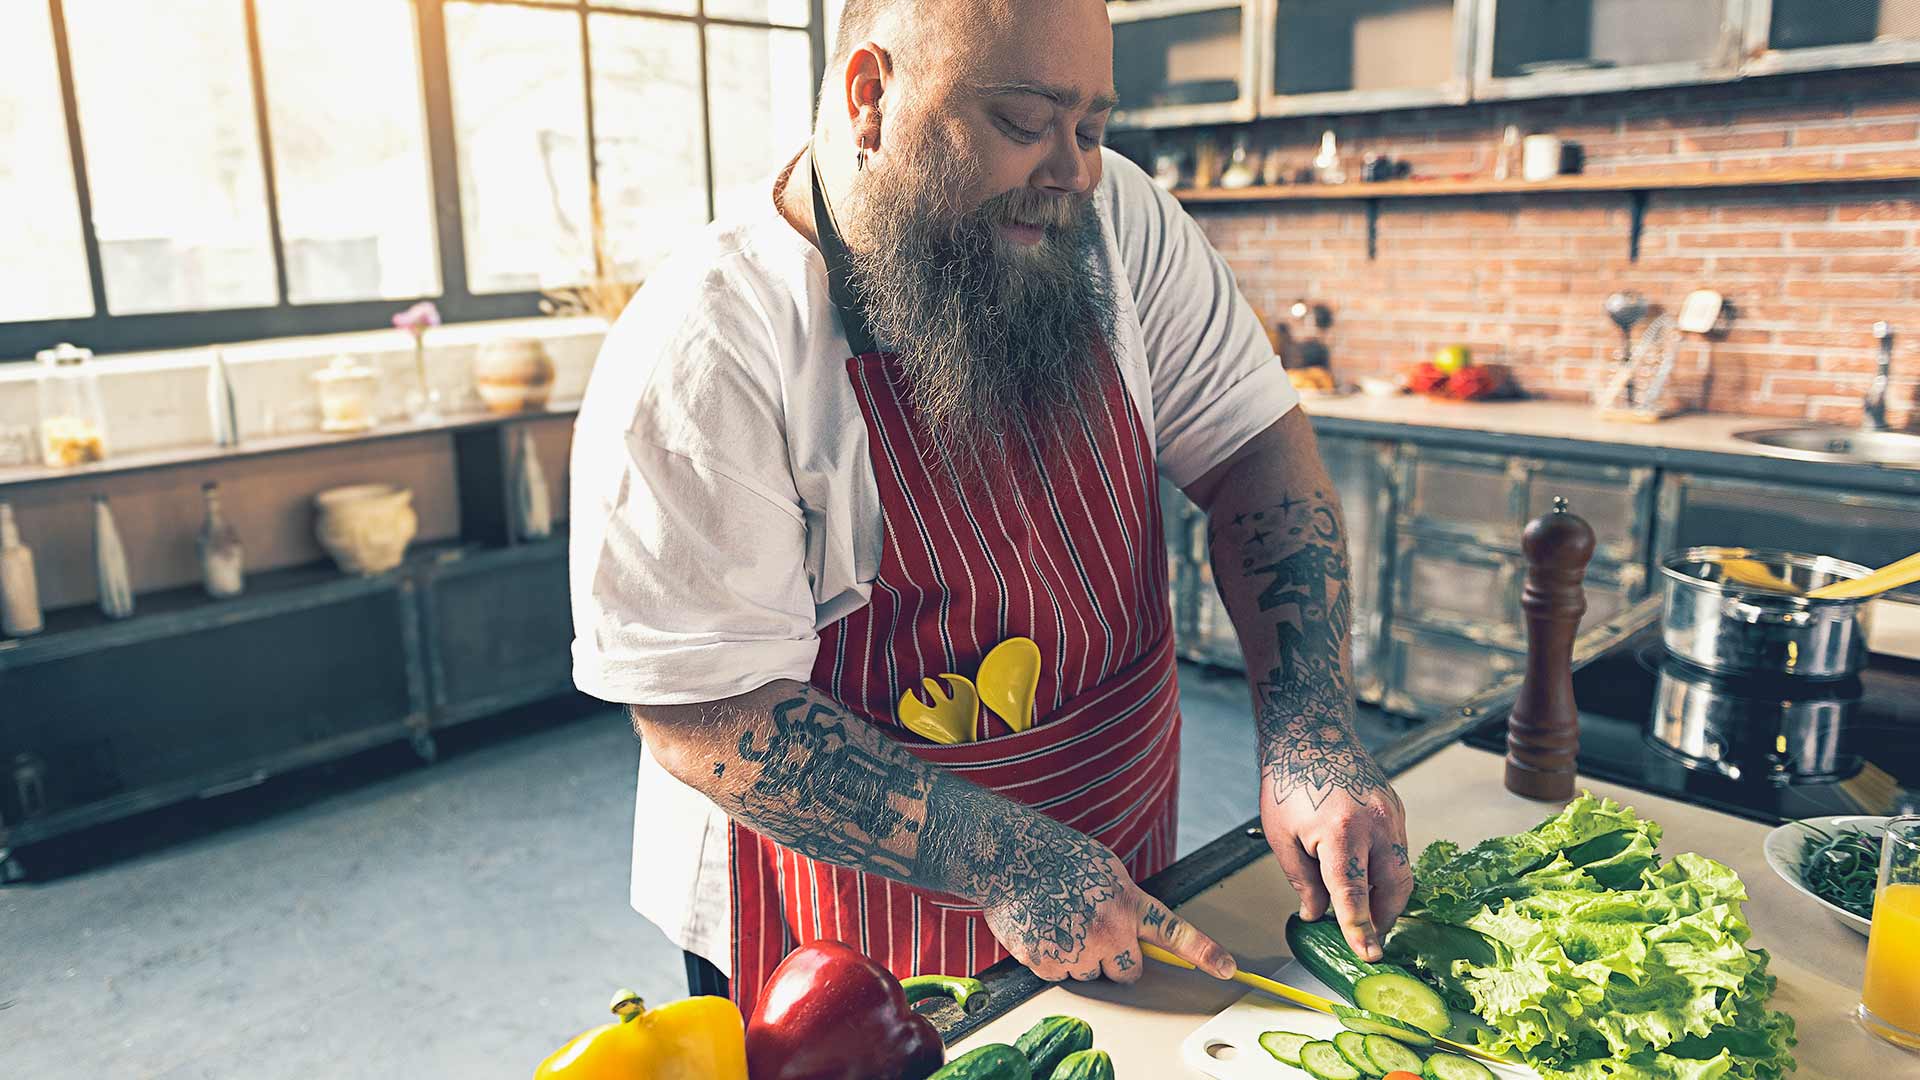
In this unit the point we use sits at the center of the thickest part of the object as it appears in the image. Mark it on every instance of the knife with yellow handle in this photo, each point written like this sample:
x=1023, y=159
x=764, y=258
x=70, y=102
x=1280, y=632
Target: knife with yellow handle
x=1302, y=998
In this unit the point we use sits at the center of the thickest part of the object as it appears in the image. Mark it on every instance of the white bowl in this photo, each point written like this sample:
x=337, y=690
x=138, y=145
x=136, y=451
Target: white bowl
x=1783, y=846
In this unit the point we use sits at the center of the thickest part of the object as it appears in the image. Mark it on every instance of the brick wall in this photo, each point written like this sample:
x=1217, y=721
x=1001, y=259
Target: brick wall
x=1521, y=278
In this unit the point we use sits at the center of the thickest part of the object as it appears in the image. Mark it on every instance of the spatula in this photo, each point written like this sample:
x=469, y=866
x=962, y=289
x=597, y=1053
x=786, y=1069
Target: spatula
x=1008, y=678
x=1891, y=576
x=1301, y=997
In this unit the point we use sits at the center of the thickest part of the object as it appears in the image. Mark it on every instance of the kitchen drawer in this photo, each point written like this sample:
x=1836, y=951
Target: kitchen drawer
x=1616, y=501
x=1430, y=674
x=1473, y=593
x=1466, y=496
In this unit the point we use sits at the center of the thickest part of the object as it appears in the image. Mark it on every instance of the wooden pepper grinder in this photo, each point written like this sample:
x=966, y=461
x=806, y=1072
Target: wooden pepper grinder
x=1543, y=731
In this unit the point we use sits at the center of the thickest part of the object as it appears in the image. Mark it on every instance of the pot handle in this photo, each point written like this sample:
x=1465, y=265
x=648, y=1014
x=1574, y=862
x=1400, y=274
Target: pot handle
x=1736, y=608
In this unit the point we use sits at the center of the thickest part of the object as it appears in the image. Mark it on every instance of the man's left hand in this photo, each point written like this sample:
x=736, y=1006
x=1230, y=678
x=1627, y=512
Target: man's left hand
x=1339, y=831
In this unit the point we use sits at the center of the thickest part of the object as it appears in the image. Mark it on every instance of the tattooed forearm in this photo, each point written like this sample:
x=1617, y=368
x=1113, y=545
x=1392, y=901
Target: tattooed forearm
x=797, y=767
x=1282, y=568
x=996, y=851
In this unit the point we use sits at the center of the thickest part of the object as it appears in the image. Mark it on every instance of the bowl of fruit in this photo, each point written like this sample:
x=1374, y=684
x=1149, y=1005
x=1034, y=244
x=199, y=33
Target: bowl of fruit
x=1453, y=376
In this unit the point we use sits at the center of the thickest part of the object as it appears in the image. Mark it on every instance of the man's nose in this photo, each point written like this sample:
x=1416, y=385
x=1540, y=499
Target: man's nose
x=1065, y=170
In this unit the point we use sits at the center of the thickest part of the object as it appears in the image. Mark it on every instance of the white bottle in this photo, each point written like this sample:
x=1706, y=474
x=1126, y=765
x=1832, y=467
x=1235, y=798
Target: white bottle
x=223, y=416
x=1326, y=165
x=19, y=589
x=533, y=503
x=110, y=563
x=222, y=560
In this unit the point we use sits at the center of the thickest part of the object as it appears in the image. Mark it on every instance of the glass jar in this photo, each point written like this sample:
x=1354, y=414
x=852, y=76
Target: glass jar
x=346, y=395
x=73, y=423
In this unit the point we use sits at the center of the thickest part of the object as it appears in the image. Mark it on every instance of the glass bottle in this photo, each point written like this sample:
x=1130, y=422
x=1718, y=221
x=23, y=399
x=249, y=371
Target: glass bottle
x=1326, y=165
x=222, y=560
x=532, y=500
x=19, y=589
x=73, y=423
x=1240, y=171
x=110, y=563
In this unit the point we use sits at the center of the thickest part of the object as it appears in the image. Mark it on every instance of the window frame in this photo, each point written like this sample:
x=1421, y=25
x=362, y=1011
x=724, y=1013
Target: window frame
x=105, y=332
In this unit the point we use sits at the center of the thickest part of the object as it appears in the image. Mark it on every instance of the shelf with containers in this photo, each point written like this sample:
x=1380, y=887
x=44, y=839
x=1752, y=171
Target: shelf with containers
x=194, y=696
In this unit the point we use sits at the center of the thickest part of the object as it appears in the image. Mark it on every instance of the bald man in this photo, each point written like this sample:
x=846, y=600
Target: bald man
x=911, y=409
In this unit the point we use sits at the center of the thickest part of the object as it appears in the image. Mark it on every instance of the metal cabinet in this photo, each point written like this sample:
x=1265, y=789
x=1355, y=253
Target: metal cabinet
x=1179, y=62
x=1487, y=499
x=1869, y=529
x=1531, y=48
x=1428, y=674
x=498, y=630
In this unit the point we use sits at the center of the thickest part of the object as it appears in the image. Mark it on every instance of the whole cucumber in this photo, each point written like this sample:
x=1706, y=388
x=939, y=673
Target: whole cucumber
x=1047, y=1043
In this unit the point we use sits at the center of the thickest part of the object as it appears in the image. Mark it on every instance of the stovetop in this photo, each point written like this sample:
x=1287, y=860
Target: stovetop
x=1768, y=749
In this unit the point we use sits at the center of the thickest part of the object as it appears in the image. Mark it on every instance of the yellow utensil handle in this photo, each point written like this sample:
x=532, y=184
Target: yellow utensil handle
x=1891, y=576
x=1301, y=997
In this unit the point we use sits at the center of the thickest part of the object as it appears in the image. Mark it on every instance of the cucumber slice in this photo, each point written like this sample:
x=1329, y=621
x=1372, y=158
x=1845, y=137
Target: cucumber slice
x=1323, y=1062
x=1406, y=999
x=1455, y=1067
x=1388, y=1055
x=1284, y=1045
x=1353, y=1046
x=1368, y=1023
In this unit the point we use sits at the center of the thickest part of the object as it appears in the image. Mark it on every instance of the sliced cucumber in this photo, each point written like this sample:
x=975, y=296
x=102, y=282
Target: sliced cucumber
x=1353, y=1046
x=1455, y=1067
x=1284, y=1045
x=1368, y=1023
x=1322, y=1061
x=1404, y=998
x=1387, y=1054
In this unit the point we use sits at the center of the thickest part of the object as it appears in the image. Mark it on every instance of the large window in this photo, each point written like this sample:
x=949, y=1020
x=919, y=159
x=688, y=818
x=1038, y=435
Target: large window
x=208, y=170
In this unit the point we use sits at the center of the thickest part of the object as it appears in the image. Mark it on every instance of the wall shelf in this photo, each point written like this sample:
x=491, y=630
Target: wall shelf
x=1632, y=182
x=1637, y=186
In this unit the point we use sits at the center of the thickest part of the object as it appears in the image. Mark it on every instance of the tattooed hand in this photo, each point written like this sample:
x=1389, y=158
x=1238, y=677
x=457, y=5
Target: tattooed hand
x=1329, y=813
x=1059, y=901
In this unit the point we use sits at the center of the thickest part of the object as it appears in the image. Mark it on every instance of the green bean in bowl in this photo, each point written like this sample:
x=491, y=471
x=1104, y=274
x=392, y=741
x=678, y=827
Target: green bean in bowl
x=1842, y=867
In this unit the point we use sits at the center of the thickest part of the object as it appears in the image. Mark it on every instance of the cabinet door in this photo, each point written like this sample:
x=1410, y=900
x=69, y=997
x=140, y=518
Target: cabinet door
x=1473, y=498
x=1872, y=530
x=1462, y=589
x=1183, y=62
x=1810, y=35
x=1539, y=47
x=499, y=630
x=1363, y=476
x=1616, y=501
x=1329, y=55
x=1429, y=675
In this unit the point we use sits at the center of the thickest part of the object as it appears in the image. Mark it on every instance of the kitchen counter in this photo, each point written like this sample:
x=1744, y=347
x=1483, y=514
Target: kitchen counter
x=1457, y=794
x=1697, y=441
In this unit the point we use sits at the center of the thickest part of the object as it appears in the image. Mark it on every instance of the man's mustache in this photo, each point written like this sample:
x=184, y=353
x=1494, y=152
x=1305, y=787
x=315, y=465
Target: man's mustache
x=1022, y=206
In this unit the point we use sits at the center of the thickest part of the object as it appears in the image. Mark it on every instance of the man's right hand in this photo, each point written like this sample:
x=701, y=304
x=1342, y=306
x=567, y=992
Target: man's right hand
x=1069, y=909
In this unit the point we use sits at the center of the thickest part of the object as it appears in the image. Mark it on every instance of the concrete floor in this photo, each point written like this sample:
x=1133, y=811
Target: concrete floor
x=379, y=919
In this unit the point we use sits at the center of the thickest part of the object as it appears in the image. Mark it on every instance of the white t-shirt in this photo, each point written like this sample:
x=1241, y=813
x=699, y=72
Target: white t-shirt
x=725, y=509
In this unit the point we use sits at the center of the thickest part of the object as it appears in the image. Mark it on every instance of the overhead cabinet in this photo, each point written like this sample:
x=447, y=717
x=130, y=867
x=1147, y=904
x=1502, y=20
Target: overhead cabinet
x=1185, y=62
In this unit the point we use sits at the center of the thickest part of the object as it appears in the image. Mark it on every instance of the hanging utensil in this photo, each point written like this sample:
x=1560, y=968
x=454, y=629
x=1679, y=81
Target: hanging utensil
x=1009, y=677
x=949, y=719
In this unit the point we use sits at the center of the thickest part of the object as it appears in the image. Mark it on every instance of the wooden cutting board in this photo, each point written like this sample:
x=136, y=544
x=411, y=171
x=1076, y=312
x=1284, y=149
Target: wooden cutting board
x=1227, y=1047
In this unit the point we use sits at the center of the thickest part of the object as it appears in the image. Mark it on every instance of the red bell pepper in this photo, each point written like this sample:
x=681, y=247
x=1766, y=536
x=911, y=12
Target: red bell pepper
x=830, y=1013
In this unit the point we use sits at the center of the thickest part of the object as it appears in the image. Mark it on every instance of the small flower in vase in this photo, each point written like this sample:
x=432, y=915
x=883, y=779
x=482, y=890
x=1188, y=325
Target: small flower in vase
x=423, y=403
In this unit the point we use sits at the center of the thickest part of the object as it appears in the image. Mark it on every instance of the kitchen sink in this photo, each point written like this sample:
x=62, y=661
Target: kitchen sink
x=1839, y=444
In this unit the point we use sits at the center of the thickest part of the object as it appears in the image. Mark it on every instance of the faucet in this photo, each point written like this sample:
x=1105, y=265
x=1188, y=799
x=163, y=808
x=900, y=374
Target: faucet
x=1873, y=412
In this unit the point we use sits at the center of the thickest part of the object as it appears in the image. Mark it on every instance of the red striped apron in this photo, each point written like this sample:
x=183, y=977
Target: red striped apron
x=1071, y=555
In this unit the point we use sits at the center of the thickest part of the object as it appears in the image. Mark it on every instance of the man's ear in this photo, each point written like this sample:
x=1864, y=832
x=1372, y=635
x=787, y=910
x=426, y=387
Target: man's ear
x=869, y=70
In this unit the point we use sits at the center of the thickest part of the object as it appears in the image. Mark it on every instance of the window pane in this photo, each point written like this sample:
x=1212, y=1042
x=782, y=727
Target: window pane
x=787, y=12
x=1572, y=35
x=1803, y=24
x=762, y=98
x=349, y=149
x=652, y=153
x=43, y=260
x=173, y=153
x=520, y=119
x=671, y=7
x=1331, y=45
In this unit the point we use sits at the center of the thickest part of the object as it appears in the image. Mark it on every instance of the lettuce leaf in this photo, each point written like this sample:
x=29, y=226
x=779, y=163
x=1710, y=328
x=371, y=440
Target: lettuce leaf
x=1593, y=960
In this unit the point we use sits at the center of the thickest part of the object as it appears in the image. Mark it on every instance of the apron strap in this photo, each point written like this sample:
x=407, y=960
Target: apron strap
x=853, y=314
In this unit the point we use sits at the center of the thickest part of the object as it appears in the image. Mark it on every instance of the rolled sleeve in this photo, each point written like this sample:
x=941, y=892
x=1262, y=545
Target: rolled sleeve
x=1215, y=380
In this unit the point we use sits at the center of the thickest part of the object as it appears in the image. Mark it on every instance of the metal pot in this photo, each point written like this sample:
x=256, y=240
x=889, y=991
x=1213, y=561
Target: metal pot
x=1735, y=629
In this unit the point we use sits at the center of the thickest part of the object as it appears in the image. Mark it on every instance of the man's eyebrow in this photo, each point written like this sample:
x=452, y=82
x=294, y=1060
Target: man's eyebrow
x=1064, y=96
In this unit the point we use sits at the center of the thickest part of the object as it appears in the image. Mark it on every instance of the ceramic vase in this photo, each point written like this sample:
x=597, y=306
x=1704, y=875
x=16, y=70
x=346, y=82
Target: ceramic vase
x=366, y=527
x=515, y=375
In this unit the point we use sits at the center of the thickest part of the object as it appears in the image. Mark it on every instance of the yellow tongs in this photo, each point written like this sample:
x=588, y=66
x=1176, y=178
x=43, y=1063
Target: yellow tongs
x=1302, y=998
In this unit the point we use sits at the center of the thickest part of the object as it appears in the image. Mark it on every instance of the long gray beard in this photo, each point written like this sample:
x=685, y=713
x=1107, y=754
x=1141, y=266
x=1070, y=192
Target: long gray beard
x=1000, y=349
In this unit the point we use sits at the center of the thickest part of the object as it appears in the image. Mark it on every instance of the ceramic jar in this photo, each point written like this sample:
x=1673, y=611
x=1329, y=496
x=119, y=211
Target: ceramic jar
x=515, y=375
x=366, y=527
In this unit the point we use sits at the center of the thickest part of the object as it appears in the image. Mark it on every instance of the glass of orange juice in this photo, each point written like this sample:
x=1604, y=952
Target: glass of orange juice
x=1890, y=996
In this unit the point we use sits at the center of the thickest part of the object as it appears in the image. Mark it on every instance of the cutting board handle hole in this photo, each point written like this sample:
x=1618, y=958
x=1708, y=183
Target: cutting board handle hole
x=1222, y=1051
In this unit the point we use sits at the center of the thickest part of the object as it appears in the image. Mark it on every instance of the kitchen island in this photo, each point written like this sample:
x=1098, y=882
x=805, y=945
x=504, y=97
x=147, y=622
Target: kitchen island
x=1235, y=891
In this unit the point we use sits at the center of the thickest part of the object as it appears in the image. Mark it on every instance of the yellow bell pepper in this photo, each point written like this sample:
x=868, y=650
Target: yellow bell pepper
x=700, y=1038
